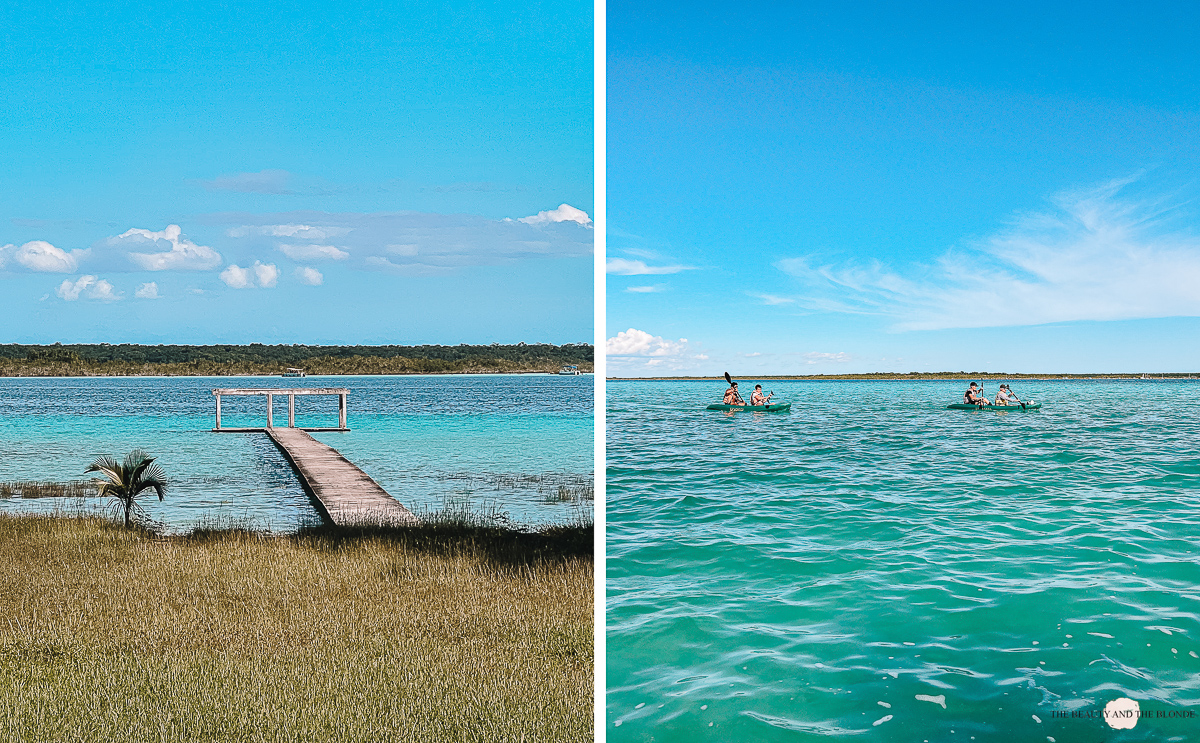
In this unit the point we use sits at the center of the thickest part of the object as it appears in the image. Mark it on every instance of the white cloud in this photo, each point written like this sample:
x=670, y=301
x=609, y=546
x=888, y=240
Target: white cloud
x=646, y=289
x=147, y=291
x=564, y=213
x=310, y=276
x=266, y=274
x=237, y=277
x=626, y=267
x=39, y=255
x=635, y=353
x=264, y=181
x=103, y=291
x=70, y=290
x=298, y=231
x=180, y=254
x=1095, y=257
x=771, y=299
x=635, y=342
x=389, y=241
x=260, y=274
x=87, y=287
x=816, y=357
x=312, y=252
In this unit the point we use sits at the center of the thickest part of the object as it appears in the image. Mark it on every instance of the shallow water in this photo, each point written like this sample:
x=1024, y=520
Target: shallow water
x=426, y=439
x=814, y=574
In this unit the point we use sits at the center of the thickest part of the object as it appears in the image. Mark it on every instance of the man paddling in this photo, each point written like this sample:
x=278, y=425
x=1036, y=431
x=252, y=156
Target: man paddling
x=758, y=399
x=732, y=397
x=974, y=396
x=1007, y=396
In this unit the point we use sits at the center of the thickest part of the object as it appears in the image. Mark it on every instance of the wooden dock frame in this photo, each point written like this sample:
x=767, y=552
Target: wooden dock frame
x=342, y=492
x=270, y=394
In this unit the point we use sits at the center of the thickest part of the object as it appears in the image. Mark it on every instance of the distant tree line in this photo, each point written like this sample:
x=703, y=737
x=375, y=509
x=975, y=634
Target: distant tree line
x=129, y=359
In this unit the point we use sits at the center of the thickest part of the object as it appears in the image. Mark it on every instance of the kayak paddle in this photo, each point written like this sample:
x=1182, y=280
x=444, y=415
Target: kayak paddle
x=730, y=380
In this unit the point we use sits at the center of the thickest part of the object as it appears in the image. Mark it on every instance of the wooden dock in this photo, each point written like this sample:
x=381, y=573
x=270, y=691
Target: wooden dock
x=344, y=493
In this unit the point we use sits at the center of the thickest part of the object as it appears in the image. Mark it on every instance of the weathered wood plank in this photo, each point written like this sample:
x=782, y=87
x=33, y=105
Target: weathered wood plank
x=347, y=495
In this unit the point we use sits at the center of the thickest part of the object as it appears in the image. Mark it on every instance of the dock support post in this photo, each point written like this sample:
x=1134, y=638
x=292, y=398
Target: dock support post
x=270, y=404
x=291, y=411
x=218, y=412
x=342, y=410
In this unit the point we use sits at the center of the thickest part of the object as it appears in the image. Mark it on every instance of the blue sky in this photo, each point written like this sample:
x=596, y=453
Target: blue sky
x=824, y=188
x=296, y=173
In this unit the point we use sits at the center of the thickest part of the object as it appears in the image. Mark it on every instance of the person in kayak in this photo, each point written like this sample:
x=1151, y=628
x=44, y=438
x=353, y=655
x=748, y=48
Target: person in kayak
x=974, y=396
x=732, y=397
x=1006, y=396
x=758, y=399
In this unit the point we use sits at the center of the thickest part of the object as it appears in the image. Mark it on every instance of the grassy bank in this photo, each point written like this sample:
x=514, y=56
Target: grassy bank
x=435, y=633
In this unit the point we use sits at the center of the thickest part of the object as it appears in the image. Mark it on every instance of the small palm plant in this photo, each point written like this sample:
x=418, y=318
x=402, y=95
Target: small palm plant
x=129, y=479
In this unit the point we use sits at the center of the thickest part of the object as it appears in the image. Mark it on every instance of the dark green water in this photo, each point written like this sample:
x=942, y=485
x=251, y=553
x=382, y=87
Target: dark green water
x=806, y=575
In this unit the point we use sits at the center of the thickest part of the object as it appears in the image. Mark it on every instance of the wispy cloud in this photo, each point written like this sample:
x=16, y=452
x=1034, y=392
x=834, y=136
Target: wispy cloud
x=298, y=231
x=626, y=267
x=410, y=243
x=313, y=252
x=264, y=181
x=1096, y=256
x=818, y=357
x=147, y=291
x=771, y=299
x=646, y=289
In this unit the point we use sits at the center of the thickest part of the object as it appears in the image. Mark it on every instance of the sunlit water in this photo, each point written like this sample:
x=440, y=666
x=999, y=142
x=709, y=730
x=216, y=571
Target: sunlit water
x=824, y=573
x=496, y=443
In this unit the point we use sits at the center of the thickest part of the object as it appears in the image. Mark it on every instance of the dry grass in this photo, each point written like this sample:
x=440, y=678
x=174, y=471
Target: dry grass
x=437, y=633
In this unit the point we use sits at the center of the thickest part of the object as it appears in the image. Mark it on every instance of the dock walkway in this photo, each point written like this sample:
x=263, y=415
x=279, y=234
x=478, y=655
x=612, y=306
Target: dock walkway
x=347, y=495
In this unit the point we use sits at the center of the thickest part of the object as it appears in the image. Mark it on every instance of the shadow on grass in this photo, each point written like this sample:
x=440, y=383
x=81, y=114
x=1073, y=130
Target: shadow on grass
x=450, y=534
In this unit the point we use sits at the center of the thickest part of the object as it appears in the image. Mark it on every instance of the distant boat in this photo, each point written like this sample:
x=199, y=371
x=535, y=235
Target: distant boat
x=291, y=372
x=569, y=371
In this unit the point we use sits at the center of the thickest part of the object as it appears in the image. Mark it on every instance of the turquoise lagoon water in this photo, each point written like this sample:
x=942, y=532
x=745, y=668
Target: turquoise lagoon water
x=491, y=442
x=824, y=573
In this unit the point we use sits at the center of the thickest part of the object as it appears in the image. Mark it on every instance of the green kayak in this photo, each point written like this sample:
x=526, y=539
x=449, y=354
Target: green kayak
x=778, y=407
x=1014, y=406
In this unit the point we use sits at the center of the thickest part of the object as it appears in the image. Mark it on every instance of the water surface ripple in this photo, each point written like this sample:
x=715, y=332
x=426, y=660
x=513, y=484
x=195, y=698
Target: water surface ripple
x=489, y=442
x=814, y=574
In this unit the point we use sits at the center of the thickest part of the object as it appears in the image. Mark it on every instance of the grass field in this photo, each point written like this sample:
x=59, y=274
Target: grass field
x=426, y=634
